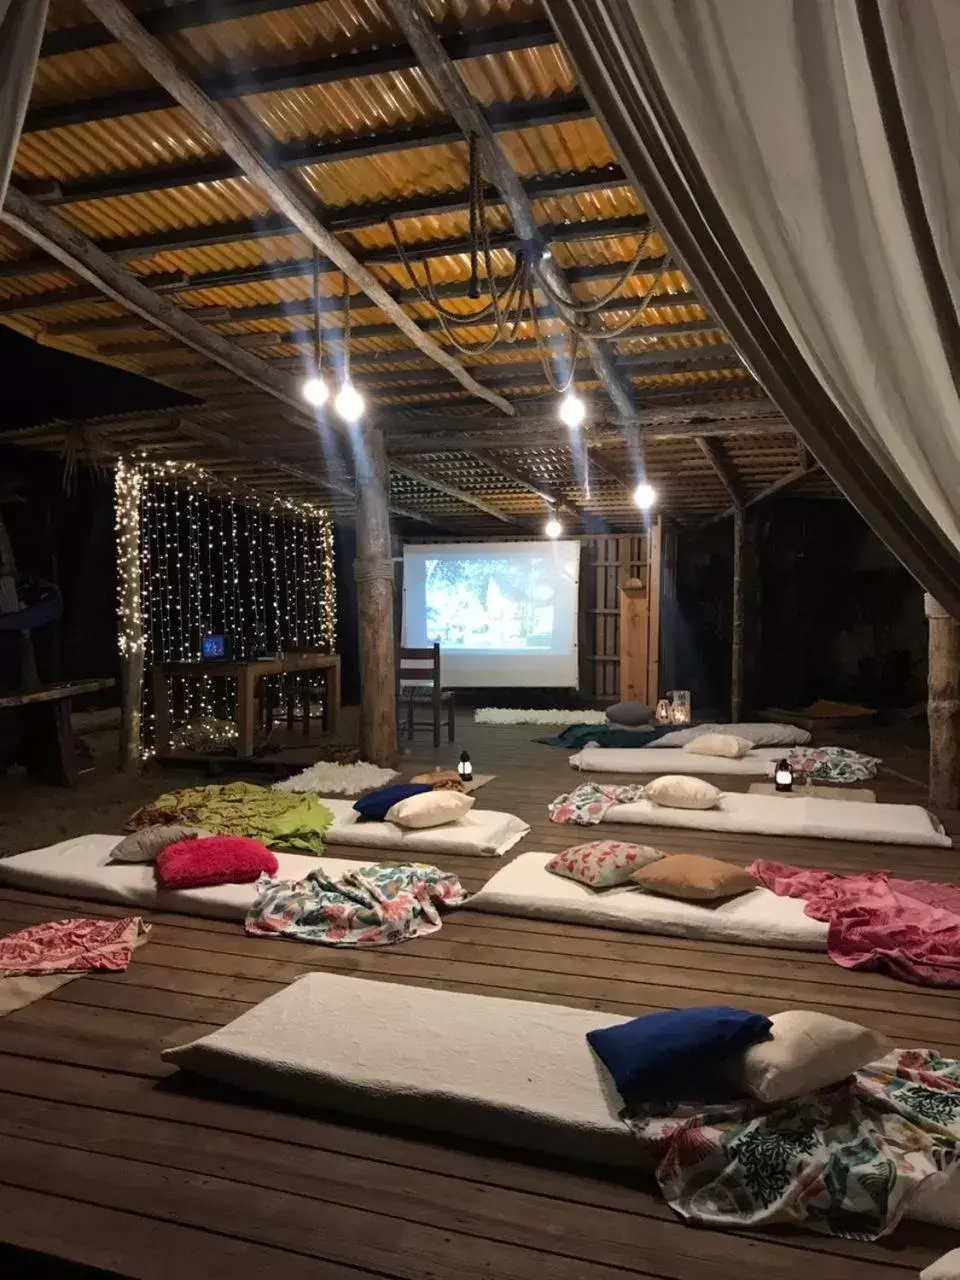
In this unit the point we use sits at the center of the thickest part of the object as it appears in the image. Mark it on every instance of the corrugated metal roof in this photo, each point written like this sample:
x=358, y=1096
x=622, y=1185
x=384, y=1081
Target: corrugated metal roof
x=358, y=107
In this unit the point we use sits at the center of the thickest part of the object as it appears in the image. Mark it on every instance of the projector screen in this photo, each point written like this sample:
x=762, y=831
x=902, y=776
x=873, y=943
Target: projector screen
x=504, y=613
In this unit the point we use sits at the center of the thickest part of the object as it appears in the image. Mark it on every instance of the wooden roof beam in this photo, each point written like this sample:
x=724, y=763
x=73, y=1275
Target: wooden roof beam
x=461, y=495
x=722, y=465
x=333, y=305
x=180, y=282
x=345, y=218
x=302, y=154
x=786, y=481
x=281, y=192
x=442, y=74
x=552, y=497
x=238, y=83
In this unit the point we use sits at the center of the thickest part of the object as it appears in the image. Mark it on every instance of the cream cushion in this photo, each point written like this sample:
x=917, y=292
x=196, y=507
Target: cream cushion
x=727, y=745
x=677, y=791
x=807, y=1051
x=430, y=809
x=945, y=1268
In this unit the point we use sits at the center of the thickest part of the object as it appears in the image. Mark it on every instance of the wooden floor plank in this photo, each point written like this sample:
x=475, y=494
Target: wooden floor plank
x=147, y=1174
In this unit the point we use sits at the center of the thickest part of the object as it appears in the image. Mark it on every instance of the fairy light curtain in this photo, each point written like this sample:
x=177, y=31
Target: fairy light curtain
x=211, y=562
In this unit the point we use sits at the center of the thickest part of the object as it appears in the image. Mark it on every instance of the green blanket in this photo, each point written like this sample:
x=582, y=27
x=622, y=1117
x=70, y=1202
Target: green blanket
x=576, y=736
x=293, y=820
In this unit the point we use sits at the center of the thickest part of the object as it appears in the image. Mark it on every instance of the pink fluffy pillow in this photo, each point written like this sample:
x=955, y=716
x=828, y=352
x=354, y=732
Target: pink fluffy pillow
x=197, y=864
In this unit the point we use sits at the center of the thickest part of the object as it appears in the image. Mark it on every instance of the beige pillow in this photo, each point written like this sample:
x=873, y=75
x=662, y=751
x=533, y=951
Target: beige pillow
x=430, y=809
x=679, y=791
x=807, y=1051
x=694, y=878
x=727, y=745
x=145, y=844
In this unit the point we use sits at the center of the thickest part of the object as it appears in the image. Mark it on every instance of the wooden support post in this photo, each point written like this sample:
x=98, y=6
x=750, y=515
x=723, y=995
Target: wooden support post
x=943, y=706
x=634, y=641
x=654, y=570
x=129, y=620
x=736, y=629
x=373, y=570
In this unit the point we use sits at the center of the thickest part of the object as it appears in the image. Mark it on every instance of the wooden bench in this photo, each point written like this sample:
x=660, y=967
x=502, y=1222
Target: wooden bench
x=48, y=748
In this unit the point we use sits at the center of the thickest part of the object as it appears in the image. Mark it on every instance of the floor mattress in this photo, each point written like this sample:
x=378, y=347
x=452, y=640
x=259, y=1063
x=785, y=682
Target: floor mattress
x=758, y=763
x=509, y=1071
x=525, y=888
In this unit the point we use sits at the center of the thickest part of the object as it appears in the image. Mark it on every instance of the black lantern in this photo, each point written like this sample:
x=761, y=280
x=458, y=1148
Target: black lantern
x=465, y=768
x=783, y=777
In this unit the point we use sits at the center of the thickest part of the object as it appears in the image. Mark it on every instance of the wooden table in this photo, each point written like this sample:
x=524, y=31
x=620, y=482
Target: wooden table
x=49, y=752
x=248, y=673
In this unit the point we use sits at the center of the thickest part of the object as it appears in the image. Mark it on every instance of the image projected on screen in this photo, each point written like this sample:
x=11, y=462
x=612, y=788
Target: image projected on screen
x=490, y=604
x=503, y=613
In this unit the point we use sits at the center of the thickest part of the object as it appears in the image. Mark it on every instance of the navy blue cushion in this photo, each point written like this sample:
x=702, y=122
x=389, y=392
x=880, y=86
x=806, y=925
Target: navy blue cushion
x=373, y=808
x=673, y=1055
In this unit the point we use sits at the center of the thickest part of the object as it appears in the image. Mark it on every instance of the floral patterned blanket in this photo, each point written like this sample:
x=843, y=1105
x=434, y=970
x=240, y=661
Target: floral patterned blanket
x=370, y=907
x=587, y=804
x=832, y=764
x=845, y=1161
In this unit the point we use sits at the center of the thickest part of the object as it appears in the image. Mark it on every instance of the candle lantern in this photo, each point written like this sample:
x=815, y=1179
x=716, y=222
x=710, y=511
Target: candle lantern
x=680, y=706
x=662, y=713
x=465, y=768
x=783, y=777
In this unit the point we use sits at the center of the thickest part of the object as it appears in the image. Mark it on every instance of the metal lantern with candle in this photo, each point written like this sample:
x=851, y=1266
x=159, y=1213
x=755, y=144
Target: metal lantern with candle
x=465, y=768
x=783, y=777
x=662, y=713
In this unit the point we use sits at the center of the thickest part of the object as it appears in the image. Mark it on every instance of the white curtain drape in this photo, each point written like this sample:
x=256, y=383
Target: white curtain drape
x=804, y=157
x=779, y=102
x=21, y=31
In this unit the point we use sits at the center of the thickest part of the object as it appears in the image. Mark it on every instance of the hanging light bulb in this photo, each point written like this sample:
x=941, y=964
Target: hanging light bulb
x=349, y=403
x=315, y=391
x=572, y=410
x=553, y=528
x=644, y=495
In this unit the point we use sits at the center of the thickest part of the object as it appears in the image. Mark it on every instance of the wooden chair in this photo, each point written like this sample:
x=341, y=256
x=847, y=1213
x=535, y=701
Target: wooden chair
x=418, y=685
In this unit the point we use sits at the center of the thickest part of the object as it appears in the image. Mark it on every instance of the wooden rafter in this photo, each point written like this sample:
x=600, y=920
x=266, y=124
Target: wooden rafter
x=786, y=481
x=719, y=460
x=302, y=154
x=345, y=218
x=501, y=38
x=442, y=74
x=461, y=495
x=285, y=309
x=283, y=195
x=181, y=282
x=552, y=497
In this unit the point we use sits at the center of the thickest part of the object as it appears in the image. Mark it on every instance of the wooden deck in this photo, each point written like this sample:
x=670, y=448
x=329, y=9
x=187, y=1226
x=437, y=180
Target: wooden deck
x=109, y=1160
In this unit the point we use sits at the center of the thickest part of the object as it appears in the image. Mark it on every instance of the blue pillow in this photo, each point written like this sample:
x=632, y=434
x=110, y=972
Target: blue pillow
x=373, y=808
x=673, y=1055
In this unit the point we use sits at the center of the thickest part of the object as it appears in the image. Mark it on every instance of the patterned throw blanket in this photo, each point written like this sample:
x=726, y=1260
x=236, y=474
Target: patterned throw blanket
x=587, y=804
x=370, y=907
x=845, y=1161
x=279, y=819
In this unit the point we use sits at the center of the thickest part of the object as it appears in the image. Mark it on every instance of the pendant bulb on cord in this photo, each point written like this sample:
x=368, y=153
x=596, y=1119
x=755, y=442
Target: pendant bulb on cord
x=473, y=289
x=349, y=403
x=644, y=495
x=315, y=390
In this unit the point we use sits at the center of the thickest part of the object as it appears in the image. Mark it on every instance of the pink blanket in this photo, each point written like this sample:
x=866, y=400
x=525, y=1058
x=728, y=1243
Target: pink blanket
x=907, y=928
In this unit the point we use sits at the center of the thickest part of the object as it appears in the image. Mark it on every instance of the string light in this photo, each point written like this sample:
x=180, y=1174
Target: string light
x=196, y=555
x=572, y=410
x=314, y=389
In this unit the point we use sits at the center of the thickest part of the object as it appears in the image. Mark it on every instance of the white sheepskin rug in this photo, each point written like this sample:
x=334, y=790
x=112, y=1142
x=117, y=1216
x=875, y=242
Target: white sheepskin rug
x=330, y=779
x=533, y=715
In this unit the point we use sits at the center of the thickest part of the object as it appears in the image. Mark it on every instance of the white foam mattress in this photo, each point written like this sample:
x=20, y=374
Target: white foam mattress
x=508, y=1071
x=800, y=816
x=481, y=833
x=79, y=868
x=526, y=888
x=757, y=763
